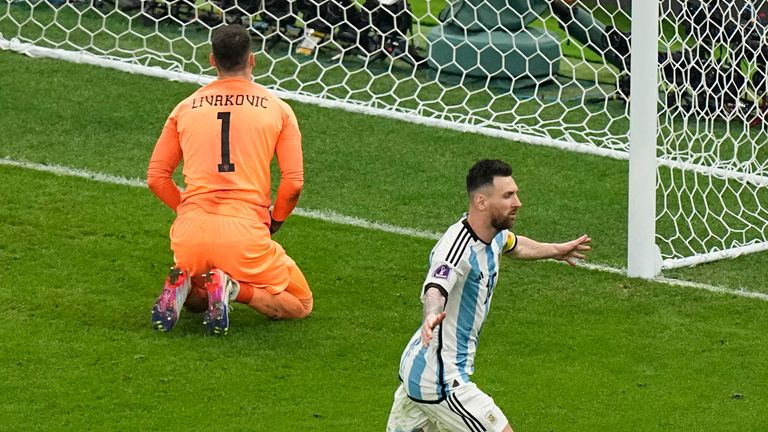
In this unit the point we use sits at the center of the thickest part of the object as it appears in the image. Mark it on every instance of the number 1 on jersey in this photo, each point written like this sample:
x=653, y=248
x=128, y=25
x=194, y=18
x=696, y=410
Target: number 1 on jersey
x=225, y=165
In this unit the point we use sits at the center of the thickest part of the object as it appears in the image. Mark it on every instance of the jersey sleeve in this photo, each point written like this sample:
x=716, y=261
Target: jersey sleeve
x=510, y=243
x=291, y=162
x=441, y=275
x=165, y=159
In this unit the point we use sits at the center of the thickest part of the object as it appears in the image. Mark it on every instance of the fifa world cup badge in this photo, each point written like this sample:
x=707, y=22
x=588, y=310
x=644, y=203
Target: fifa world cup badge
x=491, y=418
x=442, y=272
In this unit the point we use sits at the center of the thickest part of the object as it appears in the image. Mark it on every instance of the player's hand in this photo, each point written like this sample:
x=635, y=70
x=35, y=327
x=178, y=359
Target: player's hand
x=430, y=322
x=274, y=225
x=573, y=250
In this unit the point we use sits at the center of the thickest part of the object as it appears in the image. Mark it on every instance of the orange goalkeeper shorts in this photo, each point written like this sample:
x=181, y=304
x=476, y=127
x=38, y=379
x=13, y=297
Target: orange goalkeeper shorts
x=241, y=247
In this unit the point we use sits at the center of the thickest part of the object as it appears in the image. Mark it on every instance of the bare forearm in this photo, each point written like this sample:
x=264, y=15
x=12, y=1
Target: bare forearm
x=529, y=249
x=570, y=251
x=434, y=302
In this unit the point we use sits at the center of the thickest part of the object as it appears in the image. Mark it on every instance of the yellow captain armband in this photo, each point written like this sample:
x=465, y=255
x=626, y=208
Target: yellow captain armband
x=510, y=243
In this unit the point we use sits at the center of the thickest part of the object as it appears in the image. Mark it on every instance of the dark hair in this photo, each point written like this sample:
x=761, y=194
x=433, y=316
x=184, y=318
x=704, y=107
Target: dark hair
x=483, y=171
x=231, y=45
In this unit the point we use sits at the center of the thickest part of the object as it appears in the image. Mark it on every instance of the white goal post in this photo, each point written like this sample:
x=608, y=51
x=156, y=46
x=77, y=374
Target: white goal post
x=643, y=257
x=679, y=90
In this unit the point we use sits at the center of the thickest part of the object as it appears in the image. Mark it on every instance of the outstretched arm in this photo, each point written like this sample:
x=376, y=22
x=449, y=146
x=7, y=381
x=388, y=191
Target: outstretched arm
x=529, y=249
x=434, y=302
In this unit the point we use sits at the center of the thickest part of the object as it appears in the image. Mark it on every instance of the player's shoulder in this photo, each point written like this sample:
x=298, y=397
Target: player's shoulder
x=453, y=243
x=453, y=231
x=259, y=88
x=189, y=101
x=279, y=102
x=183, y=105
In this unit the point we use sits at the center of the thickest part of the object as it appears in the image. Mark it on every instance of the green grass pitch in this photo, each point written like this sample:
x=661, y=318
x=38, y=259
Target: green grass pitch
x=564, y=349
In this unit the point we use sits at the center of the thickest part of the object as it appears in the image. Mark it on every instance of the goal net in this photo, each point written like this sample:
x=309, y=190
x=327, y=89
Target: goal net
x=712, y=189
x=550, y=72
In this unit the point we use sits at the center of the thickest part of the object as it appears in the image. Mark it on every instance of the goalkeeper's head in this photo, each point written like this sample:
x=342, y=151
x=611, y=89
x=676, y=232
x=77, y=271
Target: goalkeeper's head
x=231, y=50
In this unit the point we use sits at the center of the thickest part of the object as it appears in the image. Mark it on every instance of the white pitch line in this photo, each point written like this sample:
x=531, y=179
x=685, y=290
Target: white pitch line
x=713, y=288
x=324, y=215
x=338, y=218
x=75, y=172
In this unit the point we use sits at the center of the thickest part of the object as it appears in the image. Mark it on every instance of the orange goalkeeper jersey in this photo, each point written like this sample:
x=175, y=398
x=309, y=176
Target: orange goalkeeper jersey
x=227, y=133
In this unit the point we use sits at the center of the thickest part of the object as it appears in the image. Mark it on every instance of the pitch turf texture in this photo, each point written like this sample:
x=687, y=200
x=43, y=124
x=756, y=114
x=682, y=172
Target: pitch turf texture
x=564, y=349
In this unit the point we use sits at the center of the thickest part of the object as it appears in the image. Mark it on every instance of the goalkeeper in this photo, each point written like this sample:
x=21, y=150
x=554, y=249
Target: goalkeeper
x=227, y=134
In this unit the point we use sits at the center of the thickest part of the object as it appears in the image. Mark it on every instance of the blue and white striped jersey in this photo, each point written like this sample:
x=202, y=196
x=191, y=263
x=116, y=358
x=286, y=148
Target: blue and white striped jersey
x=465, y=269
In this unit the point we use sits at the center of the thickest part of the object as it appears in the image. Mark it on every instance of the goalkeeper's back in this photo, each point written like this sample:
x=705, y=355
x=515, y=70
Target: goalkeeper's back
x=227, y=133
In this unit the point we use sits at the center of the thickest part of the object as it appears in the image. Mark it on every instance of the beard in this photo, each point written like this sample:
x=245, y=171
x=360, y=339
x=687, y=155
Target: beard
x=501, y=223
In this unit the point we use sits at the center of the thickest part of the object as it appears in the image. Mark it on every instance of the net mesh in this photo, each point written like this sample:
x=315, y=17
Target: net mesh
x=712, y=193
x=548, y=71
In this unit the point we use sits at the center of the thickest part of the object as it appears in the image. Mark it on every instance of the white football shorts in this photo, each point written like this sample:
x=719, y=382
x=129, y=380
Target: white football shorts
x=466, y=409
